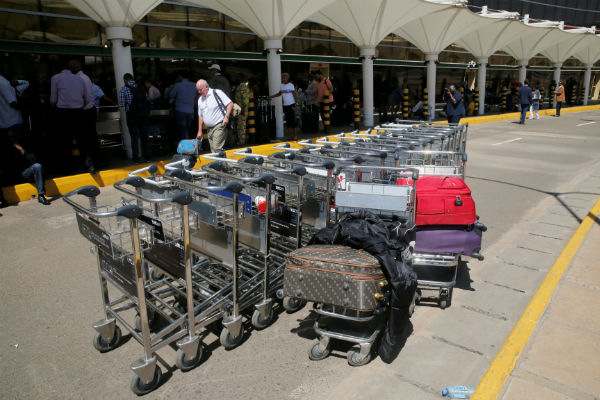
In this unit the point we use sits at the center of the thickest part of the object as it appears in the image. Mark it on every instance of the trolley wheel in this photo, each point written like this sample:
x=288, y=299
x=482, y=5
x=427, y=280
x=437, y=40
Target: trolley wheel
x=258, y=322
x=140, y=388
x=418, y=297
x=354, y=358
x=228, y=341
x=185, y=364
x=101, y=345
x=443, y=304
x=292, y=305
x=155, y=274
x=314, y=352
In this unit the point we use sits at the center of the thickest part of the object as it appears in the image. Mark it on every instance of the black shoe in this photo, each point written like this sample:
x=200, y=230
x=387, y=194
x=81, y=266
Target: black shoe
x=3, y=203
x=136, y=160
x=42, y=199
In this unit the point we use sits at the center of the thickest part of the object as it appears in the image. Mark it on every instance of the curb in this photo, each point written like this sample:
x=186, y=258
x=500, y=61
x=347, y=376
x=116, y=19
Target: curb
x=62, y=185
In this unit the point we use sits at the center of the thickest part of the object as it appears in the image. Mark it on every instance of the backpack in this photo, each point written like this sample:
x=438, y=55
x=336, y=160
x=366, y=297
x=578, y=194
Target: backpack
x=140, y=106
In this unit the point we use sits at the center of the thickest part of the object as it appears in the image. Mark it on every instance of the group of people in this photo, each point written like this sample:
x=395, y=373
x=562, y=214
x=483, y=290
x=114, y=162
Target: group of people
x=529, y=99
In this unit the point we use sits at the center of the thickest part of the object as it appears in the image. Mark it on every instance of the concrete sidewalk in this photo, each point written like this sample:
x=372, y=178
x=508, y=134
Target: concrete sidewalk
x=560, y=360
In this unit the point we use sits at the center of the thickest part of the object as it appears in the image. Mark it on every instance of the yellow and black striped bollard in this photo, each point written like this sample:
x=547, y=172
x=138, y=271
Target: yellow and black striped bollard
x=251, y=120
x=542, y=97
x=405, y=103
x=476, y=108
x=326, y=109
x=504, y=99
x=356, y=108
x=426, y=104
x=573, y=95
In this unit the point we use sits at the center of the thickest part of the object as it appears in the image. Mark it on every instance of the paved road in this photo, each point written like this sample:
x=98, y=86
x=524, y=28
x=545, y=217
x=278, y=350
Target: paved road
x=532, y=183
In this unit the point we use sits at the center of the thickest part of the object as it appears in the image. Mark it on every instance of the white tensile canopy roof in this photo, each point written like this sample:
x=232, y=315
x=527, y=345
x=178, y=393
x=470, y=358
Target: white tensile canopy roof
x=433, y=32
x=533, y=42
x=124, y=13
x=589, y=53
x=366, y=23
x=269, y=19
x=561, y=50
x=490, y=38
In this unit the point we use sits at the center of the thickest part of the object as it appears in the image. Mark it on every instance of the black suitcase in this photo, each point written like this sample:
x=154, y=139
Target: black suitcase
x=335, y=275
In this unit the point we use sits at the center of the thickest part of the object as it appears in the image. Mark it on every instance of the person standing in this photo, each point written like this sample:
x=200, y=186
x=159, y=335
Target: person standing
x=535, y=103
x=68, y=93
x=455, y=108
x=183, y=95
x=214, y=110
x=137, y=109
x=322, y=84
x=560, y=97
x=218, y=81
x=153, y=92
x=525, y=99
x=288, y=93
x=10, y=113
x=87, y=138
x=242, y=98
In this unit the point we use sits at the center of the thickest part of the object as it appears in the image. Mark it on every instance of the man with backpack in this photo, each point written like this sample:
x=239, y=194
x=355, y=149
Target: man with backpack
x=137, y=107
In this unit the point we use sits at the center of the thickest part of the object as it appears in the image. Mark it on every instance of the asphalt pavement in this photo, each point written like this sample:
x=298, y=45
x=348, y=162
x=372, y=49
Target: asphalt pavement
x=533, y=185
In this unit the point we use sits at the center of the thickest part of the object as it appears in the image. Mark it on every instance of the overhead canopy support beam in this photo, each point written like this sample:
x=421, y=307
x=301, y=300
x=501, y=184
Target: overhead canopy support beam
x=556, y=78
x=367, y=54
x=481, y=76
x=122, y=64
x=273, y=47
x=523, y=70
x=586, y=83
x=431, y=82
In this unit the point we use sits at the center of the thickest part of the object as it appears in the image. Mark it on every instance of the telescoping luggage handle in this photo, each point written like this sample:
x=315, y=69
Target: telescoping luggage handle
x=128, y=211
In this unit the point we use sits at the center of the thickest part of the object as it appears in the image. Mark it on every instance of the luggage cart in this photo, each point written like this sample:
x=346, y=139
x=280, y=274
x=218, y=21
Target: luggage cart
x=371, y=188
x=120, y=236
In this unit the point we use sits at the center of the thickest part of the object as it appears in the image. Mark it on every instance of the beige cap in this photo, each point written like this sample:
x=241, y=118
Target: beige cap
x=215, y=66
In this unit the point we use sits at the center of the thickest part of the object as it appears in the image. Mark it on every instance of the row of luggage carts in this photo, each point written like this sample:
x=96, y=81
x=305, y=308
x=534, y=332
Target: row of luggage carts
x=199, y=250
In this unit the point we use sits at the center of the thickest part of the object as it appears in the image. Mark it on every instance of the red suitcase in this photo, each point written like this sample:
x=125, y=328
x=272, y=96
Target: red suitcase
x=443, y=201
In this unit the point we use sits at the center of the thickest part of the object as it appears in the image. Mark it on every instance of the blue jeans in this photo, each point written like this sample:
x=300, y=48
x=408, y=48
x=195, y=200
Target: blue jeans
x=37, y=172
x=184, y=123
x=524, y=108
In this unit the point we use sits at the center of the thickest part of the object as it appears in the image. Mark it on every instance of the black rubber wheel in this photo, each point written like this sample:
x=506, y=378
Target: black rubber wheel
x=315, y=353
x=155, y=274
x=443, y=304
x=292, y=305
x=258, y=322
x=185, y=364
x=354, y=358
x=140, y=388
x=101, y=345
x=228, y=341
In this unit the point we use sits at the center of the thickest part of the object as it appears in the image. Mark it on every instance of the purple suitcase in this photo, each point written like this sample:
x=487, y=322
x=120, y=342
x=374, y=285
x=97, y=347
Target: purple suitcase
x=461, y=240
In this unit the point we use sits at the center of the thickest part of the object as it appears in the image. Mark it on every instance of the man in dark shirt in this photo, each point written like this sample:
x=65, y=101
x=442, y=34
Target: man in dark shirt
x=525, y=97
x=455, y=108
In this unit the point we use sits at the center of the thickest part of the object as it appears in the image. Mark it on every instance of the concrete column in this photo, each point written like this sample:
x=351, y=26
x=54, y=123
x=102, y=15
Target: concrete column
x=587, y=76
x=367, y=54
x=431, y=58
x=556, y=78
x=274, y=77
x=523, y=70
x=122, y=64
x=481, y=76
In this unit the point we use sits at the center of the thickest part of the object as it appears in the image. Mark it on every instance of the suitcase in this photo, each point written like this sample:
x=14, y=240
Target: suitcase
x=444, y=201
x=333, y=274
x=461, y=240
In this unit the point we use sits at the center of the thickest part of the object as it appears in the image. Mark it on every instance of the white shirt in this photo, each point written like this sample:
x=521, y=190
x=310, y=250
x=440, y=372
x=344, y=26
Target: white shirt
x=287, y=91
x=209, y=110
x=8, y=115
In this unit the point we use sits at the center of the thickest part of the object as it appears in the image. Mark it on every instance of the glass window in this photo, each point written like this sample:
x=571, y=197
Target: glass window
x=240, y=42
x=169, y=14
x=210, y=19
x=15, y=26
x=60, y=7
x=167, y=38
x=62, y=30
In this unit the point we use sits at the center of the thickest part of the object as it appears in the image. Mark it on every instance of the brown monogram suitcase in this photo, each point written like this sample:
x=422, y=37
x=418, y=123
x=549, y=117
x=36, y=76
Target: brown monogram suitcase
x=333, y=274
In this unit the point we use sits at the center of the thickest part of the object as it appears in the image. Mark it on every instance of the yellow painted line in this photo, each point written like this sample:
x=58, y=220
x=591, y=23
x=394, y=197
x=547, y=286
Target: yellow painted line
x=516, y=115
x=503, y=364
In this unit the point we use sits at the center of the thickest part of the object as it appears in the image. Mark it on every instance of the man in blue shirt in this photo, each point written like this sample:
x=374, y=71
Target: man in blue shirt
x=525, y=97
x=137, y=109
x=183, y=95
x=455, y=108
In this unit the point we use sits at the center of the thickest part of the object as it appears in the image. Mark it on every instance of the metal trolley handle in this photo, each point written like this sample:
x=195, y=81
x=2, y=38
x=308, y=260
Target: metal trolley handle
x=183, y=176
x=182, y=198
x=128, y=211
